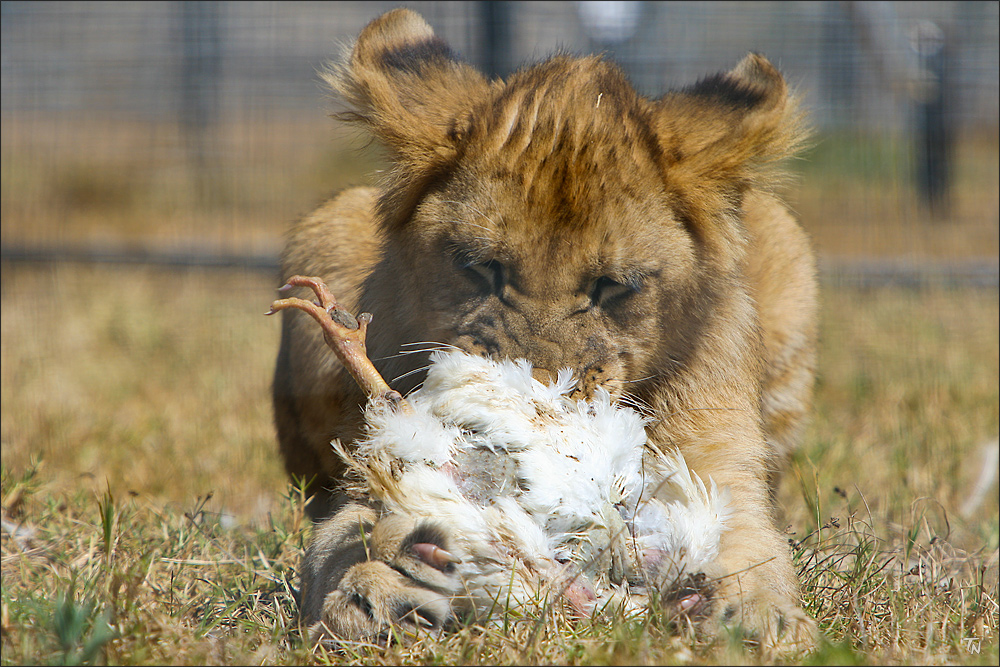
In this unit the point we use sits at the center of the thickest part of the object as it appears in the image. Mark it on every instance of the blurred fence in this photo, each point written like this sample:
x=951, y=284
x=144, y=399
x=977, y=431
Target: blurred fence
x=78, y=78
x=864, y=62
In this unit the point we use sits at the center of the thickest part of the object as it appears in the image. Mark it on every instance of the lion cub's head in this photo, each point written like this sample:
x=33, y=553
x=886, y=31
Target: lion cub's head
x=558, y=215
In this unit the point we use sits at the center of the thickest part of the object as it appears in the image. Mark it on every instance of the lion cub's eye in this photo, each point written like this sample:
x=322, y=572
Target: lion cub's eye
x=609, y=292
x=489, y=274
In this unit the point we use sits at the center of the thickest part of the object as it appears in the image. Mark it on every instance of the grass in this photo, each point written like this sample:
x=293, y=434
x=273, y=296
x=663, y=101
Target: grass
x=100, y=579
x=147, y=518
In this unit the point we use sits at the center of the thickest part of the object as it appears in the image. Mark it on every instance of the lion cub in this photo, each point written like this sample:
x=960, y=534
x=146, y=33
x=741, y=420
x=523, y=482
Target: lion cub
x=560, y=217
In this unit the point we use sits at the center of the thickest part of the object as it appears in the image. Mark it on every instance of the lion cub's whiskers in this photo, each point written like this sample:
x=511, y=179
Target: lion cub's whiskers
x=437, y=345
x=419, y=369
x=642, y=379
x=639, y=405
x=433, y=346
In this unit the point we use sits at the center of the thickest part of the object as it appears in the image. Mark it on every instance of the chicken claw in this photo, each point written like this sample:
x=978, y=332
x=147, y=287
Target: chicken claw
x=344, y=334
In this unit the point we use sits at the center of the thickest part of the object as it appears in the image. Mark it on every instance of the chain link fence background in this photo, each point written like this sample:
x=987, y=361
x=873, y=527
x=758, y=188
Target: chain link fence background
x=193, y=133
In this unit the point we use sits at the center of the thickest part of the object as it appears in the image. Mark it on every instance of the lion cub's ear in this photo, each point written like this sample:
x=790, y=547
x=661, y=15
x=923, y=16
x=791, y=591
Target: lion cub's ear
x=409, y=87
x=730, y=127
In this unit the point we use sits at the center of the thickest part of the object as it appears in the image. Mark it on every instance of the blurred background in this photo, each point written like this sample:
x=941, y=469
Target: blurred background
x=153, y=154
x=202, y=127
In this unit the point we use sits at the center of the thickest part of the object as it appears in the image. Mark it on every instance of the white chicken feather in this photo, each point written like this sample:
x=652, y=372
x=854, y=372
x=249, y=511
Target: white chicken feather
x=536, y=491
x=521, y=476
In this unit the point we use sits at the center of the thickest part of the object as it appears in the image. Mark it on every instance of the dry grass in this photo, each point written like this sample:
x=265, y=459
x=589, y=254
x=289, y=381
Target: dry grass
x=147, y=519
x=146, y=515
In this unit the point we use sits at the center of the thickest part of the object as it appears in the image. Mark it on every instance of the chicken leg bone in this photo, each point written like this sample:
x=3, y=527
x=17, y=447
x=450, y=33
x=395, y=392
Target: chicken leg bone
x=344, y=334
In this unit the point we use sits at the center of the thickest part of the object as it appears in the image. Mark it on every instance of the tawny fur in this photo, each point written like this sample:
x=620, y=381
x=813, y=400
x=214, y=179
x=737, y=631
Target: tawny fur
x=560, y=217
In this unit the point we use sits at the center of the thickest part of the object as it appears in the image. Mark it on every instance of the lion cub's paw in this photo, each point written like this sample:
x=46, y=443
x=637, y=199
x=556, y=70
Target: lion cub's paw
x=789, y=630
x=408, y=583
x=373, y=598
x=781, y=627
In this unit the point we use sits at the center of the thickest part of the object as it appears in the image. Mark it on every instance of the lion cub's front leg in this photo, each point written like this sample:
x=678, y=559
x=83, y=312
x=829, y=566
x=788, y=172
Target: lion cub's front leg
x=364, y=575
x=757, y=586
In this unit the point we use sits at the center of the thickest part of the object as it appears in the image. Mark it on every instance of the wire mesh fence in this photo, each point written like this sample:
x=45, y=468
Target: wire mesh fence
x=167, y=126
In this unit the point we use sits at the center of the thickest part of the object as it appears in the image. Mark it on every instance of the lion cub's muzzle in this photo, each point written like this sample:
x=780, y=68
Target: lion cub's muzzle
x=547, y=358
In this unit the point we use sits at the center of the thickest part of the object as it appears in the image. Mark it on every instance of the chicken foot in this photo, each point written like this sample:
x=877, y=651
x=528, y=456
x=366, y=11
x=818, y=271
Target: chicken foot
x=344, y=334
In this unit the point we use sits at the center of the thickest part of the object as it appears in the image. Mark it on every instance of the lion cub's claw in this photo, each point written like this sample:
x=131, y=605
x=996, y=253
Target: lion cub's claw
x=434, y=555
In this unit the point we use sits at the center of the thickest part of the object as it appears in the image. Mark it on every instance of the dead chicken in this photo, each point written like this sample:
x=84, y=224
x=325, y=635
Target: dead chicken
x=543, y=496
